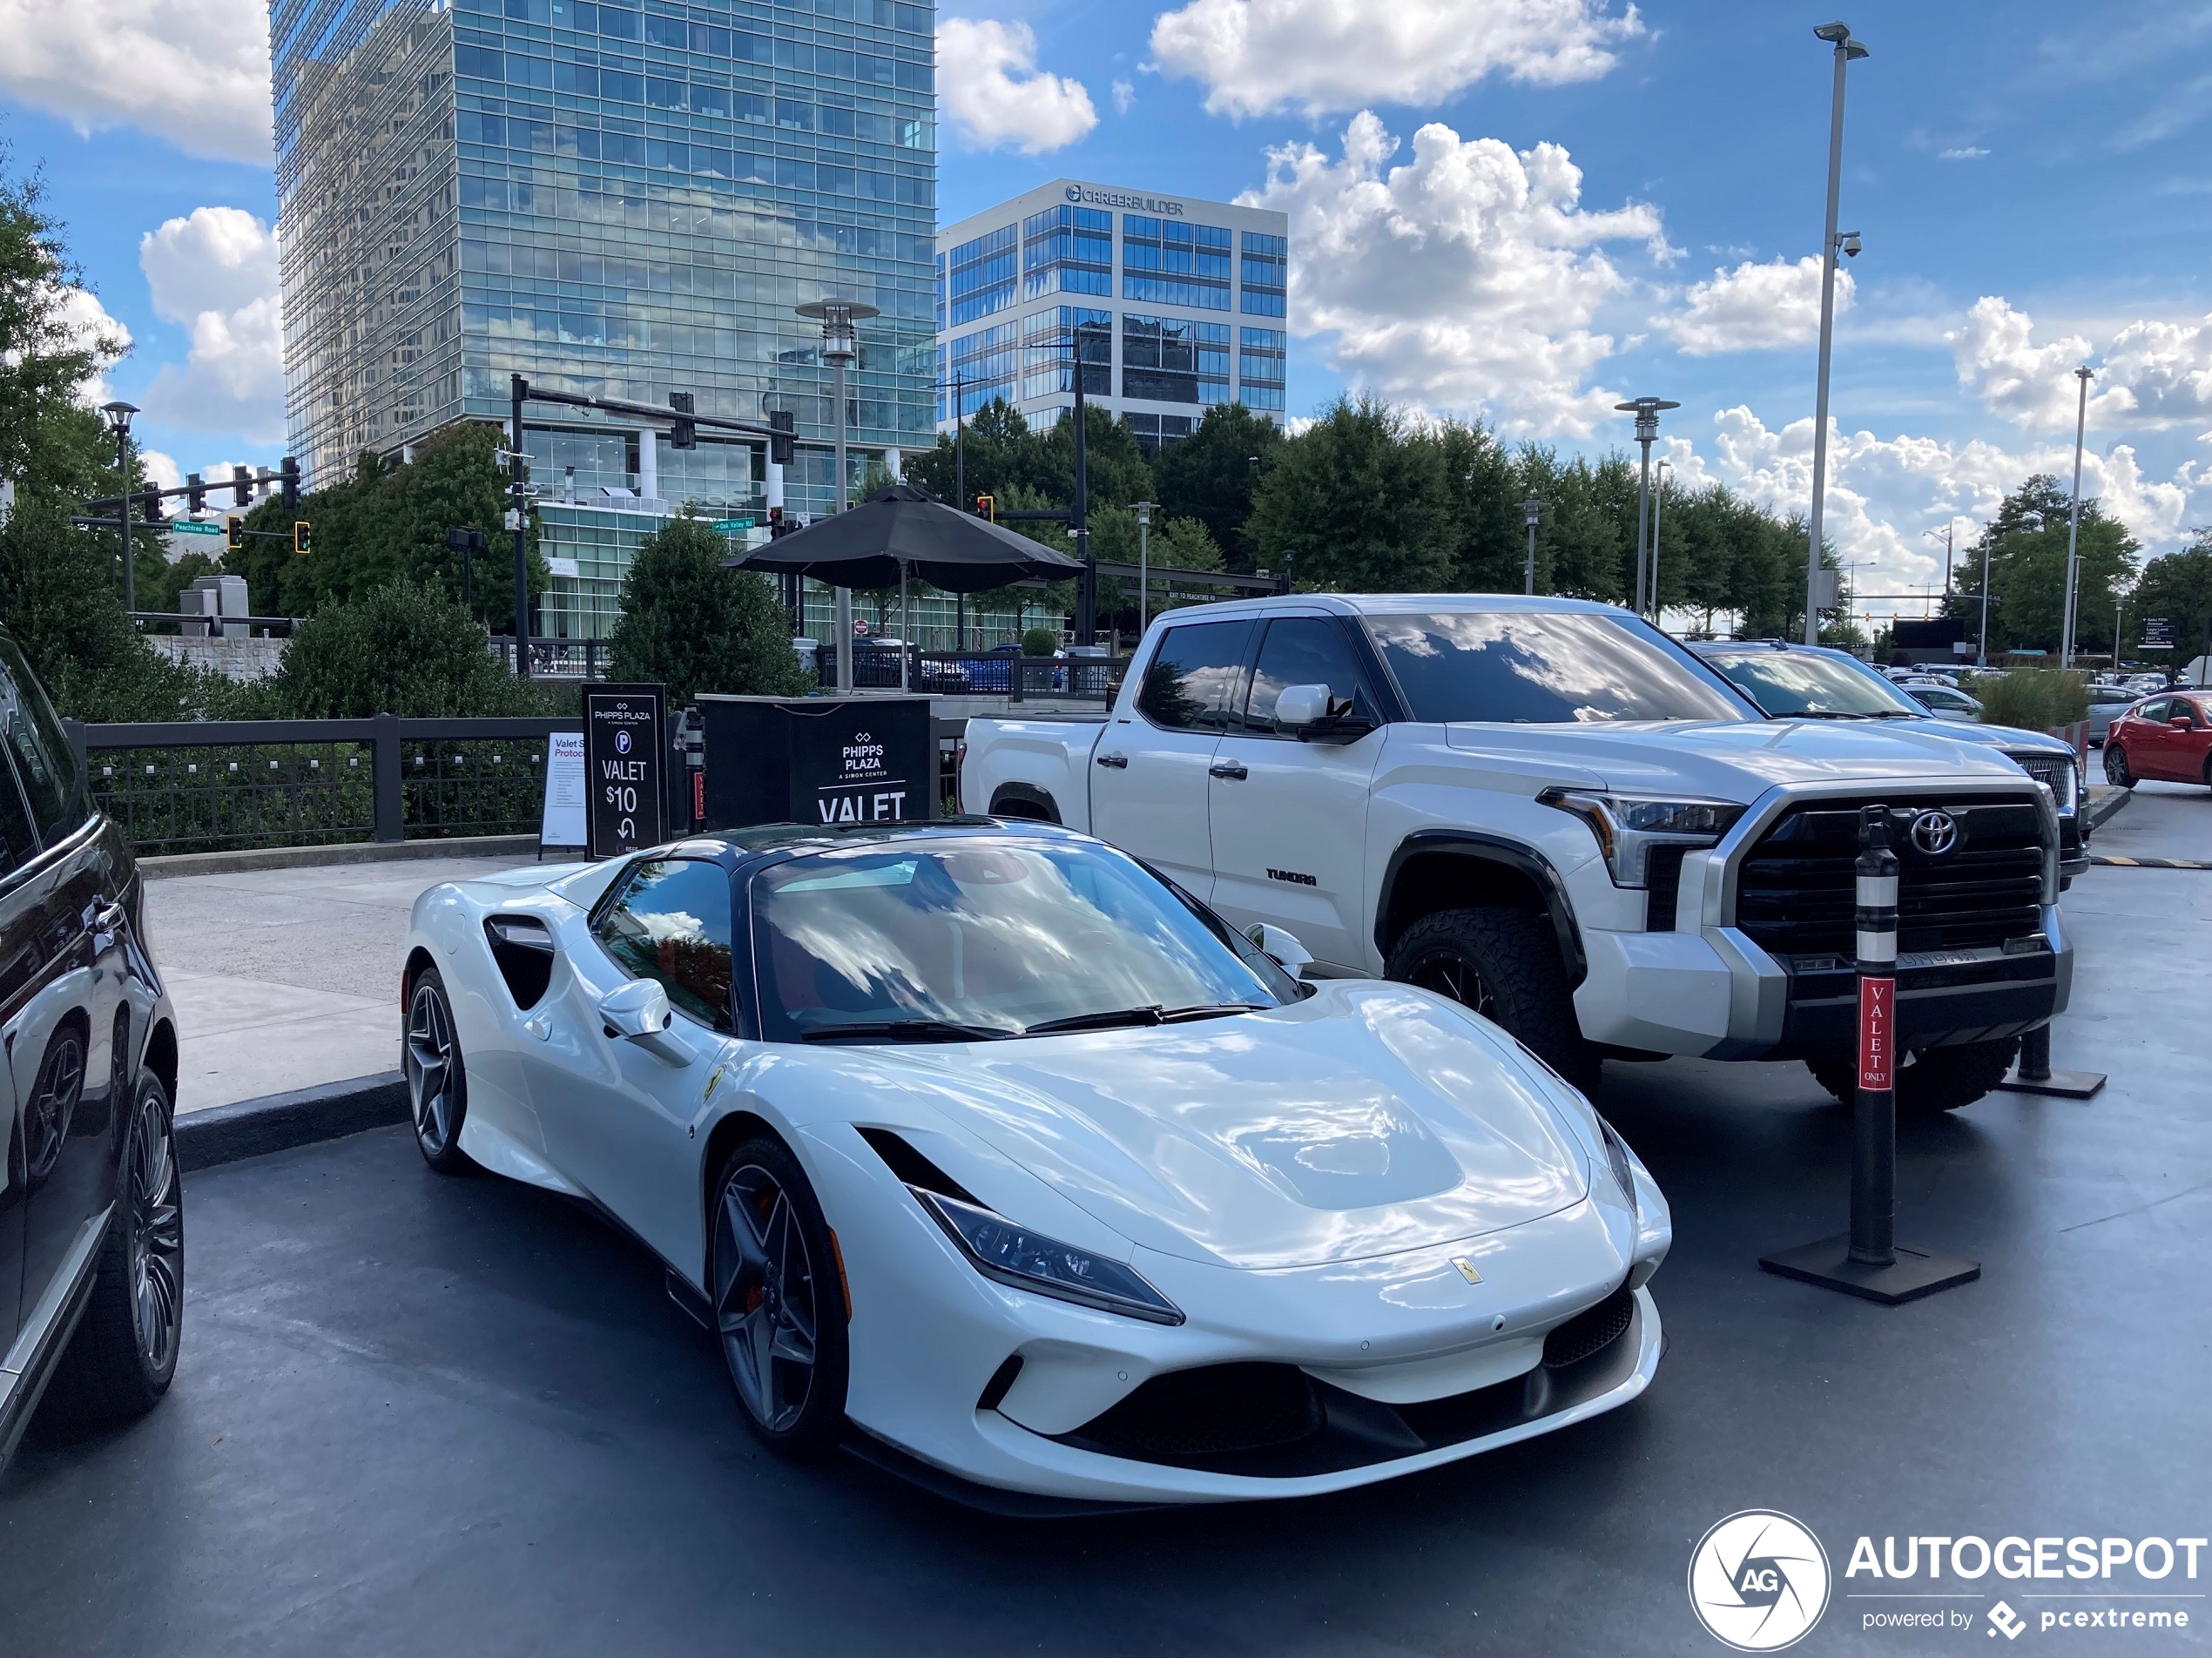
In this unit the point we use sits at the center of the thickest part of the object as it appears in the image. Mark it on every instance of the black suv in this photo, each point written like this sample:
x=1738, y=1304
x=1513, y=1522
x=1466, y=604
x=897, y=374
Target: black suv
x=91, y=1213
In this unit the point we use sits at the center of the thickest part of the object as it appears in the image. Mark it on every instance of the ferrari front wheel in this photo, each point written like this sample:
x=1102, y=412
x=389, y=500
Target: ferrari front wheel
x=437, y=1081
x=779, y=1301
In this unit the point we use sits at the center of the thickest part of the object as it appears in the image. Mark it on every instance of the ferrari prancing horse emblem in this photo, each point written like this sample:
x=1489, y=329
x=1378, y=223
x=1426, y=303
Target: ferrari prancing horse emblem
x=1466, y=1268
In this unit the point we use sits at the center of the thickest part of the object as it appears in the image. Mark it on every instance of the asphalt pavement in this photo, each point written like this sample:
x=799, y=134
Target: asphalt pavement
x=417, y=1414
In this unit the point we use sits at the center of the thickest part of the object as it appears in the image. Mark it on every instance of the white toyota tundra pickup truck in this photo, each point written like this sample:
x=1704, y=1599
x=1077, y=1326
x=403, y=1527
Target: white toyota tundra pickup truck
x=1549, y=810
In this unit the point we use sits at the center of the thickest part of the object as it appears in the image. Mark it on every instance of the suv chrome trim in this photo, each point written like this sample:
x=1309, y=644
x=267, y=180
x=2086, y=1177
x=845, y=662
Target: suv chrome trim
x=46, y=1331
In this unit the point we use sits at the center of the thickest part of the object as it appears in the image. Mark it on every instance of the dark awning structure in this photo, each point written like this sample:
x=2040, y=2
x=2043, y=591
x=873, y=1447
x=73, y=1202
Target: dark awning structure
x=903, y=530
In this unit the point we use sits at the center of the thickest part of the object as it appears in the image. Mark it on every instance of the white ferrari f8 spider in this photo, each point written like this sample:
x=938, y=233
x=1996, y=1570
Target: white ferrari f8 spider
x=990, y=1154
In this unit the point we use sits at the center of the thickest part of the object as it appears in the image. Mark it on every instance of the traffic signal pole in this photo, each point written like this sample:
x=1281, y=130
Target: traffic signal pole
x=517, y=517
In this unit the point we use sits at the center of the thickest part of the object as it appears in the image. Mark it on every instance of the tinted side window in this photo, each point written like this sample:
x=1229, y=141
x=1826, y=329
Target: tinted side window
x=672, y=924
x=44, y=760
x=16, y=840
x=1196, y=681
x=1303, y=650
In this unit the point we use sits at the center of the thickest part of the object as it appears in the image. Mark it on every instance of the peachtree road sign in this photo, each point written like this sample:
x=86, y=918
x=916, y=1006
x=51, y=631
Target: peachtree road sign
x=186, y=527
x=732, y=526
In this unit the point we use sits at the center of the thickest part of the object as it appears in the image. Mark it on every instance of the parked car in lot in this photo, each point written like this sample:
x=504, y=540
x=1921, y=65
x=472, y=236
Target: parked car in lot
x=1942, y=701
x=1552, y=810
x=2107, y=703
x=1811, y=682
x=2166, y=737
x=91, y=1220
x=987, y=1150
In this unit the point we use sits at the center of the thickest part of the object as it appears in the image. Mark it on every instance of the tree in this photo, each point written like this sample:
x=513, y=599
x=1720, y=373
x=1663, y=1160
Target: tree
x=1488, y=534
x=2179, y=588
x=404, y=648
x=1210, y=476
x=1354, y=503
x=690, y=624
x=50, y=445
x=2027, y=567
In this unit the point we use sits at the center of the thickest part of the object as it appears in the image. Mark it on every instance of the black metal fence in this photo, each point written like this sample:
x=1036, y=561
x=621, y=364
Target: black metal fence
x=961, y=673
x=206, y=786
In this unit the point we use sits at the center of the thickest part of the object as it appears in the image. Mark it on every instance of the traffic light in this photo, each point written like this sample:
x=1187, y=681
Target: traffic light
x=150, y=505
x=685, y=434
x=988, y=507
x=289, y=473
x=195, y=493
x=783, y=448
x=234, y=533
x=241, y=487
x=778, y=524
x=302, y=541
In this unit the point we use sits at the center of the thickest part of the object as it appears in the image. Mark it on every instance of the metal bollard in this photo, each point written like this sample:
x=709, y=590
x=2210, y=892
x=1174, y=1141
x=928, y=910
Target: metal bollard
x=1873, y=1163
x=2035, y=1055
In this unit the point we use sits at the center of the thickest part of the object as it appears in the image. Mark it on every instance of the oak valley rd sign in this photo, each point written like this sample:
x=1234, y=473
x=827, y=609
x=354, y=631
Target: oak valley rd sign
x=625, y=758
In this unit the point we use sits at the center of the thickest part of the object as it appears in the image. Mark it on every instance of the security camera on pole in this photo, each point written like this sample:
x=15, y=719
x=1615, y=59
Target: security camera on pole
x=1531, y=510
x=1847, y=50
x=1646, y=409
x=1868, y=1261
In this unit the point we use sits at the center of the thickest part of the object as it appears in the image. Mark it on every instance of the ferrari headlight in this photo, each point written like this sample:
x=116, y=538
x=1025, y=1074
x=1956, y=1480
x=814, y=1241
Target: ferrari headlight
x=1013, y=1255
x=1629, y=826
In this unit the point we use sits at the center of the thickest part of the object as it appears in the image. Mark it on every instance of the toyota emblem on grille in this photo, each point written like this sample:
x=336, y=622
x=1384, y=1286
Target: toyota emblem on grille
x=1935, y=832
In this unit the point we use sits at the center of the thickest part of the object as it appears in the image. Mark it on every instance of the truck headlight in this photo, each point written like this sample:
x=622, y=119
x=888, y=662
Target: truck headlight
x=1629, y=826
x=1013, y=1255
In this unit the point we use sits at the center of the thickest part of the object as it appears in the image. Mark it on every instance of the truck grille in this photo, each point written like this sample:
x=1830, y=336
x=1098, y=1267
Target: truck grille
x=1795, y=889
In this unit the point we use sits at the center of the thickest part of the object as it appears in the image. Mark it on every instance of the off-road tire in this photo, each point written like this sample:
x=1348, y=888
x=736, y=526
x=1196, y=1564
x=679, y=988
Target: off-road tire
x=1933, y=1080
x=1513, y=958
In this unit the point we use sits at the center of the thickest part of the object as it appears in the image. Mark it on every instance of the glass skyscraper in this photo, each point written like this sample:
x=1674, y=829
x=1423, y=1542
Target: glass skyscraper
x=621, y=200
x=1173, y=305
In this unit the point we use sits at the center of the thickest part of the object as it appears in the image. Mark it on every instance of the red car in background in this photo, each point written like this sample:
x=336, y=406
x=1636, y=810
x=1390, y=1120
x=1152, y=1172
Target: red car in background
x=2167, y=737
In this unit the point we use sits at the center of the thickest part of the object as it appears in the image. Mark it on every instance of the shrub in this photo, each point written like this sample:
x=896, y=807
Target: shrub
x=1039, y=642
x=689, y=624
x=2036, y=699
x=401, y=649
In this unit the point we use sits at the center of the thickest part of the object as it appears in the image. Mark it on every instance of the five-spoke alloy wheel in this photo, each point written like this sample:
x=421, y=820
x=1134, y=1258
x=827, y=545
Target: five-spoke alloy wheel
x=437, y=1082
x=778, y=1297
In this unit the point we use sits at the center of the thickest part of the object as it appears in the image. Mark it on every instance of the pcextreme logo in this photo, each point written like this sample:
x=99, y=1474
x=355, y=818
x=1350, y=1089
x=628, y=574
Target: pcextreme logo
x=1758, y=1581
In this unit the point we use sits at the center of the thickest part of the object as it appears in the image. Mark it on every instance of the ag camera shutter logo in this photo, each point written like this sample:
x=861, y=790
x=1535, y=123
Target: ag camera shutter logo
x=1758, y=1581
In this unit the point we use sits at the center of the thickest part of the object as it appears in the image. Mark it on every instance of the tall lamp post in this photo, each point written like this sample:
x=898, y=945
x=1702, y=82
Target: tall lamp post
x=2084, y=374
x=1143, y=511
x=841, y=346
x=1646, y=409
x=119, y=421
x=1530, y=511
x=1847, y=50
x=1658, y=502
x=1079, y=519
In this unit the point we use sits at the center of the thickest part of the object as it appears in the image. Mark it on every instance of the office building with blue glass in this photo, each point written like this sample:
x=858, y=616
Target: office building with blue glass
x=622, y=200
x=1173, y=304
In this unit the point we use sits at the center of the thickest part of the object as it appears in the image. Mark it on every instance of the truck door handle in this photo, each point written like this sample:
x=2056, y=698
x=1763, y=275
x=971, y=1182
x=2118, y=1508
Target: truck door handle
x=1233, y=770
x=1119, y=762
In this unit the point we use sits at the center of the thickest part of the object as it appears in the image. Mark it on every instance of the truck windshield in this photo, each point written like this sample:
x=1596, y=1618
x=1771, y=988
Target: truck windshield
x=978, y=940
x=1538, y=668
x=1787, y=683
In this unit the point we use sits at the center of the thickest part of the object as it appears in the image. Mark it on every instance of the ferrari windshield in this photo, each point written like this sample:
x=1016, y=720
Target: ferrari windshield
x=1546, y=668
x=1791, y=682
x=975, y=940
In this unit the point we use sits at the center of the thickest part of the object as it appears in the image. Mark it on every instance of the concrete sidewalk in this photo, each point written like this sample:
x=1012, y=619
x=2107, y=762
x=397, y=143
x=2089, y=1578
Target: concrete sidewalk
x=286, y=978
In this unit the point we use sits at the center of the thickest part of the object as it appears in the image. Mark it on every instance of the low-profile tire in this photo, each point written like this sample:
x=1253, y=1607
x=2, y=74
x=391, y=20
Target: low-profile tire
x=2117, y=771
x=1505, y=965
x=1933, y=1080
x=778, y=1289
x=121, y=1359
x=437, y=1077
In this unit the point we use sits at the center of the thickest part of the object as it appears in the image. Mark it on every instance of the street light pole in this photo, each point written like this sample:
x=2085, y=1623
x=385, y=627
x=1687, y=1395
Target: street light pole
x=2074, y=521
x=1529, y=509
x=1646, y=409
x=118, y=415
x=1838, y=35
x=518, y=390
x=1658, y=502
x=1079, y=519
x=1143, y=511
x=840, y=346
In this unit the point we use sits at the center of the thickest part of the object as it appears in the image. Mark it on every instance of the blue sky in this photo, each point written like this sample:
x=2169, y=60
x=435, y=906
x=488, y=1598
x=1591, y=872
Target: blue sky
x=2031, y=182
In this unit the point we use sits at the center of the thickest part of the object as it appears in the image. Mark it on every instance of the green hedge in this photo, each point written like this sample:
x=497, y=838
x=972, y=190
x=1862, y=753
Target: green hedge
x=2036, y=699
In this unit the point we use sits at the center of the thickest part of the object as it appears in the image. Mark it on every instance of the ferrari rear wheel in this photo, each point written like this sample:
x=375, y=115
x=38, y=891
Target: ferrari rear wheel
x=2117, y=771
x=437, y=1081
x=779, y=1302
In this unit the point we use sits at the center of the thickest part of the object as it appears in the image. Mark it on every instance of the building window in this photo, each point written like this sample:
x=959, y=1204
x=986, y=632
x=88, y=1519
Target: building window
x=1172, y=262
x=1261, y=354
x=1155, y=432
x=1048, y=366
x=1266, y=274
x=1068, y=250
x=983, y=364
x=1159, y=359
x=980, y=279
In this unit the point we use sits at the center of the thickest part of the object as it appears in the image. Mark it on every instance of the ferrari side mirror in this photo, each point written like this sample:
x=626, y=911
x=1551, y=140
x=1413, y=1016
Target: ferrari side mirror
x=1282, y=945
x=638, y=1012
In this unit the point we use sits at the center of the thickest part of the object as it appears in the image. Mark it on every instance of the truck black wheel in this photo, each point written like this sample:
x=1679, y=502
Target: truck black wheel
x=1934, y=1080
x=1505, y=965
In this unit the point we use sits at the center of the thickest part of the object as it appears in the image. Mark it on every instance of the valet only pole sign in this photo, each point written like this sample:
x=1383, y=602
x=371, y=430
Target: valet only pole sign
x=625, y=755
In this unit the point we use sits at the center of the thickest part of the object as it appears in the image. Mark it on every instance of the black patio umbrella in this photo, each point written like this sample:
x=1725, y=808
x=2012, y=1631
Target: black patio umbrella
x=899, y=530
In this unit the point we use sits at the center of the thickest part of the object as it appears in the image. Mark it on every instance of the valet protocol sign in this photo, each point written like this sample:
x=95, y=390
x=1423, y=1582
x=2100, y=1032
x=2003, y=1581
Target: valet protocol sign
x=625, y=757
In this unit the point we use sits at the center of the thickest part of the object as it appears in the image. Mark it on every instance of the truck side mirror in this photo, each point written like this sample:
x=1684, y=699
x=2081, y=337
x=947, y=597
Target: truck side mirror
x=1299, y=706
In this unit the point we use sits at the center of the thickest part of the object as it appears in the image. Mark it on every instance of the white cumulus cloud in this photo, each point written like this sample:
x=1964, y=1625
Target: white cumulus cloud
x=86, y=326
x=1468, y=277
x=195, y=73
x=215, y=271
x=2152, y=373
x=1755, y=307
x=996, y=97
x=1328, y=56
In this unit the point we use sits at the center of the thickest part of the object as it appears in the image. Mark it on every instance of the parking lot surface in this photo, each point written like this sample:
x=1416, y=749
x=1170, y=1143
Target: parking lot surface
x=417, y=1414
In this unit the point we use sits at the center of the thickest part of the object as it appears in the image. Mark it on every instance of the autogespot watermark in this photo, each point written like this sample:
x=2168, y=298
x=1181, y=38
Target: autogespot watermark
x=1760, y=1580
